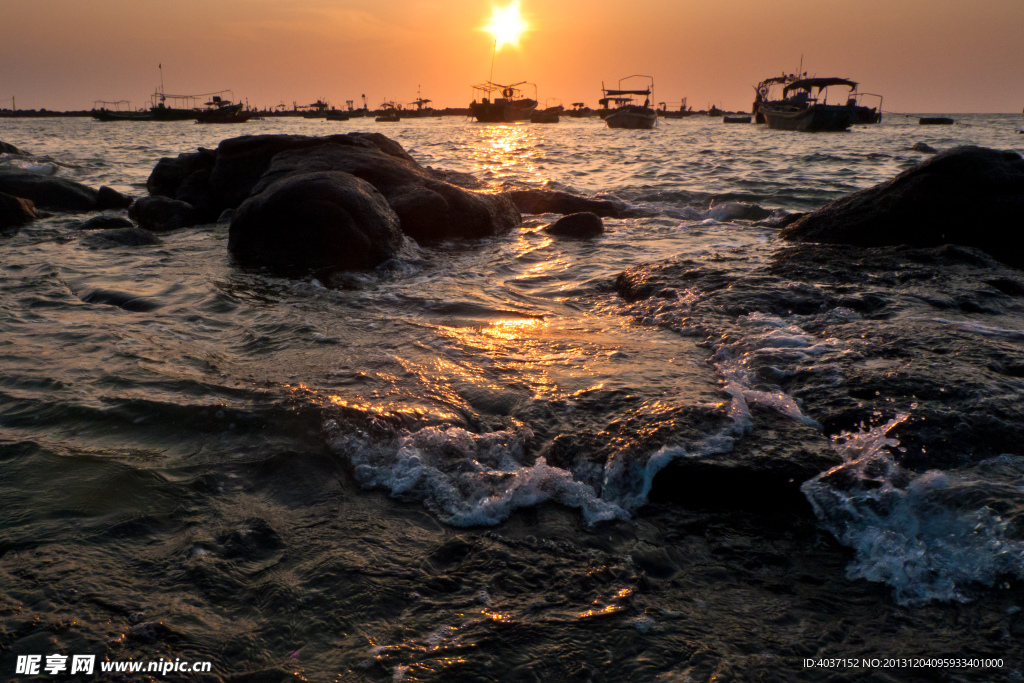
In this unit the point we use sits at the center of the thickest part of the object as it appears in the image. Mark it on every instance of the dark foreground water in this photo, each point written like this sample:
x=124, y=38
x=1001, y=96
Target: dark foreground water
x=519, y=459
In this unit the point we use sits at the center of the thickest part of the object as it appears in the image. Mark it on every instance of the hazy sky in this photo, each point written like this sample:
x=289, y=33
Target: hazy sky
x=922, y=55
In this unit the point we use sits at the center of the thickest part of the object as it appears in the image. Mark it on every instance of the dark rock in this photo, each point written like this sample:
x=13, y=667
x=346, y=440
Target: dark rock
x=763, y=472
x=120, y=237
x=49, y=192
x=169, y=174
x=548, y=201
x=8, y=148
x=964, y=196
x=428, y=206
x=15, y=211
x=428, y=209
x=109, y=198
x=922, y=147
x=161, y=214
x=324, y=219
x=105, y=222
x=577, y=225
x=242, y=161
x=125, y=300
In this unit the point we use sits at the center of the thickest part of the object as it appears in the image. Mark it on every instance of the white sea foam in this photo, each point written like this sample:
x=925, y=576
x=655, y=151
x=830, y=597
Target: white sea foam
x=469, y=479
x=902, y=526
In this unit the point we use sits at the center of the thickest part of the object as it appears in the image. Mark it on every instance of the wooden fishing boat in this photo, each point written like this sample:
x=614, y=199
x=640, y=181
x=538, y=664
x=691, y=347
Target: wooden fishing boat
x=511, y=106
x=549, y=114
x=220, y=110
x=102, y=113
x=627, y=114
x=804, y=107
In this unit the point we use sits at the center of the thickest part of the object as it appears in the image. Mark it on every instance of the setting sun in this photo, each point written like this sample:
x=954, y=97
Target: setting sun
x=506, y=24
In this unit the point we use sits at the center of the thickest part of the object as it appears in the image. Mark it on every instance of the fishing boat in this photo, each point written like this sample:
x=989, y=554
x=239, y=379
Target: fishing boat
x=804, y=107
x=549, y=114
x=388, y=113
x=580, y=110
x=768, y=92
x=220, y=110
x=511, y=106
x=102, y=113
x=682, y=112
x=317, y=110
x=627, y=114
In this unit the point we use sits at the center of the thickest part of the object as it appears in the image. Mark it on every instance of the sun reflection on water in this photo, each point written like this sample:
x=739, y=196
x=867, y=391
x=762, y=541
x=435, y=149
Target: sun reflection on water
x=506, y=151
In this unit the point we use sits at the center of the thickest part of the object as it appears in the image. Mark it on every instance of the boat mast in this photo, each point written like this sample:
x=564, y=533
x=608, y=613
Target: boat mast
x=160, y=66
x=494, y=51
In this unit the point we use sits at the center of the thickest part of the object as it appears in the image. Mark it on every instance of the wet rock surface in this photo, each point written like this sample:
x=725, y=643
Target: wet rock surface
x=15, y=211
x=49, y=192
x=106, y=222
x=577, y=226
x=551, y=201
x=854, y=334
x=161, y=214
x=970, y=196
x=332, y=220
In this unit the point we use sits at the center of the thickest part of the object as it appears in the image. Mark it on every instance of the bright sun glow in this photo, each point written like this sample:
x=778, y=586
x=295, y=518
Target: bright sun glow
x=506, y=24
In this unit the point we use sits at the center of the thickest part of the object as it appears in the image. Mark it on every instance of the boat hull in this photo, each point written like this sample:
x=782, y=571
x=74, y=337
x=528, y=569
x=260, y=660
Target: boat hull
x=632, y=120
x=815, y=118
x=503, y=111
x=162, y=113
x=229, y=114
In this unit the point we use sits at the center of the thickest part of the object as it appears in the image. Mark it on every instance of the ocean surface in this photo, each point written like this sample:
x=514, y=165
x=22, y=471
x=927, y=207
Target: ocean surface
x=518, y=458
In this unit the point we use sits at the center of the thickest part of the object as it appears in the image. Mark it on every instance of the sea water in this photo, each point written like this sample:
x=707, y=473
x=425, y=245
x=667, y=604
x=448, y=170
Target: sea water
x=444, y=469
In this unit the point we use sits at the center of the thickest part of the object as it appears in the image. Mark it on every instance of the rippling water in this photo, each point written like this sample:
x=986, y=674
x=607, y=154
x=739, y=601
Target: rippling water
x=447, y=469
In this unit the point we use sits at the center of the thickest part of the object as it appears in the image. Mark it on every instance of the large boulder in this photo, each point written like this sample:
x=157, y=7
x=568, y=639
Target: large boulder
x=428, y=209
x=969, y=196
x=427, y=205
x=323, y=219
x=8, y=148
x=15, y=211
x=49, y=192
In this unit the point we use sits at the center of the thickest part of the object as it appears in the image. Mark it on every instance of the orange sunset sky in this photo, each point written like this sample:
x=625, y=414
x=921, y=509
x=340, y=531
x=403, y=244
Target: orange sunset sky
x=922, y=55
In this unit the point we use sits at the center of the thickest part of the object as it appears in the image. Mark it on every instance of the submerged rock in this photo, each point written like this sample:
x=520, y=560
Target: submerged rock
x=120, y=237
x=577, y=225
x=106, y=222
x=15, y=211
x=923, y=148
x=8, y=148
x=49, y=192
x=324, y=219
x=548, y=201
x=970, y=196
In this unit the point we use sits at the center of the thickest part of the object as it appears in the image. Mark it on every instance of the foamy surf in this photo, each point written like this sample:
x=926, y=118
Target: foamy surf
x=929, y=536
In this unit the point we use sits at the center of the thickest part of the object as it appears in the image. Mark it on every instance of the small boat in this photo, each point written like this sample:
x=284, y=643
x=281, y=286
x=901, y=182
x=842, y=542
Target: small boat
x=388, y=113
x=549, y=114
x=799, y=110
x=935, y=121
x=511, y=106
x=735, y=119
x=681, y=113
x=629, y=115
x=102, y=113
x=338, y=115
x=317, y=110
x=580, y=110
x=220, y=110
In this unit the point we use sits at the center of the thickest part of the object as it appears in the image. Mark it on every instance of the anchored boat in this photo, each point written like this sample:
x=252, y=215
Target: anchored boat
x=511, y=105
x=628, y=114
x=804, y=106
